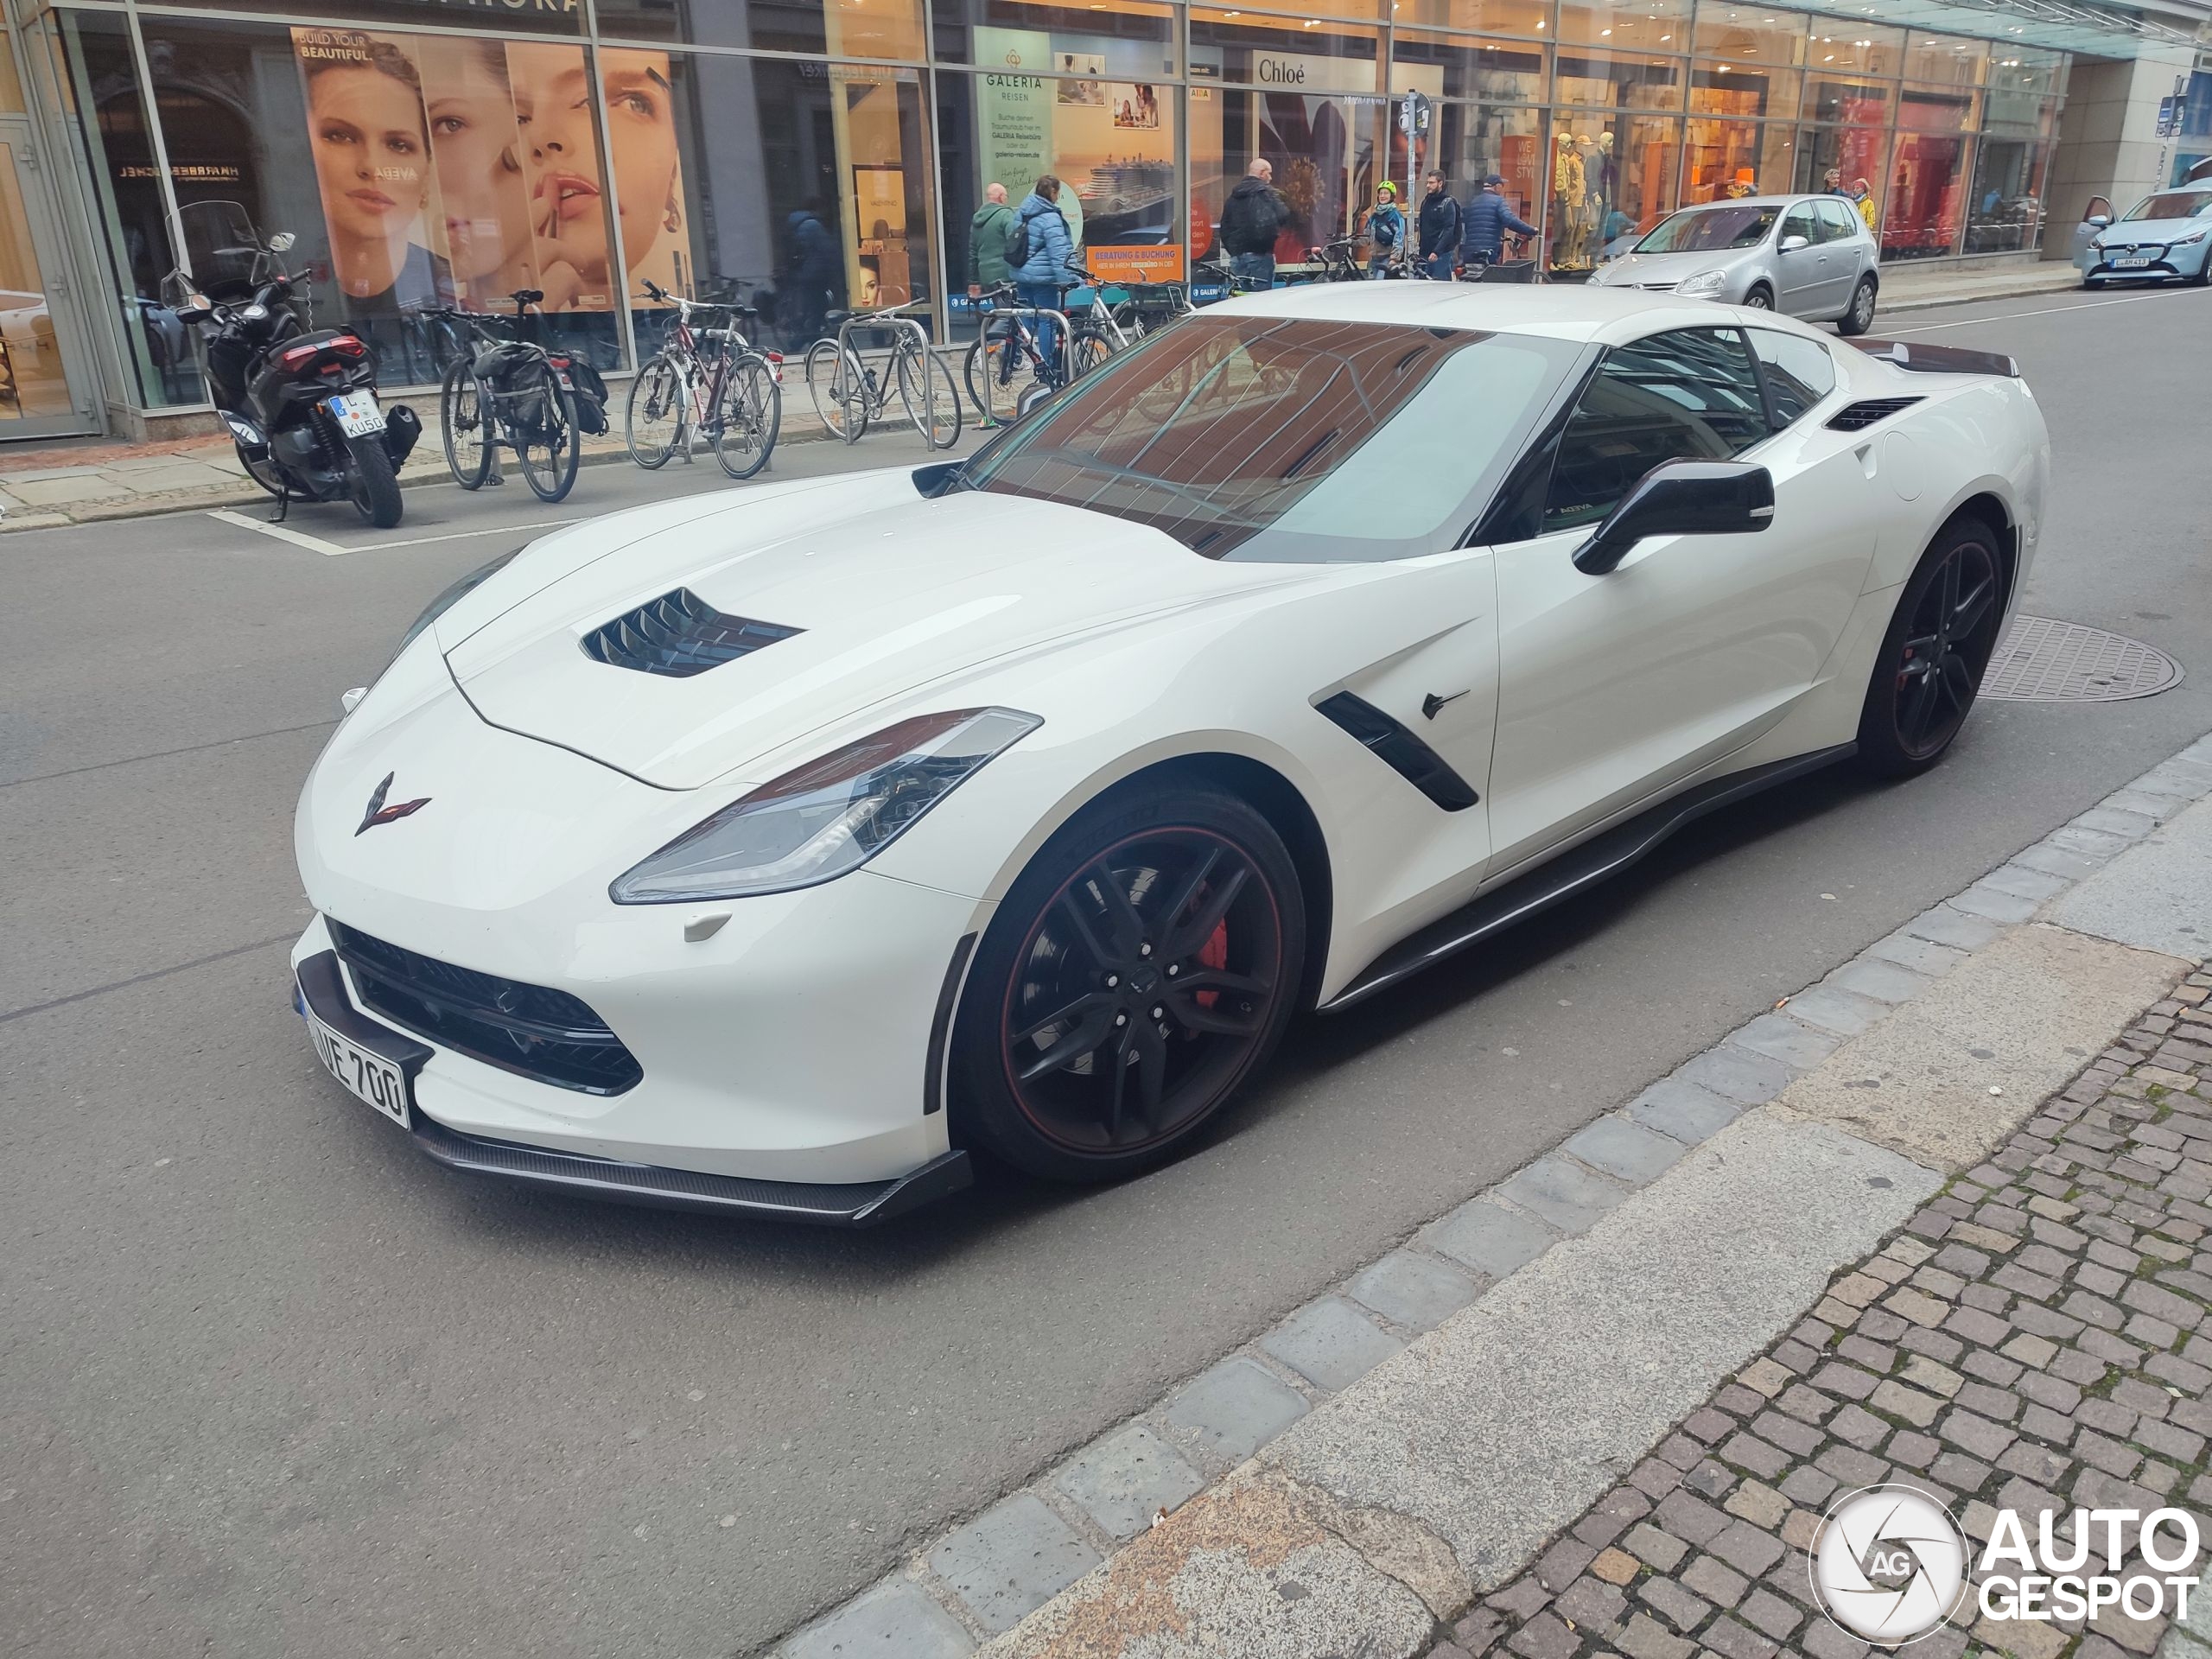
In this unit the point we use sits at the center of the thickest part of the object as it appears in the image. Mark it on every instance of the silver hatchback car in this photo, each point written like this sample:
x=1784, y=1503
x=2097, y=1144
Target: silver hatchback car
x=1809, y=255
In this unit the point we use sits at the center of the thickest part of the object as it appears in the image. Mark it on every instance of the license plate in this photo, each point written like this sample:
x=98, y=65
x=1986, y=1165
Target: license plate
x=370, y=1076
x=2128, y=264
x=357, y=413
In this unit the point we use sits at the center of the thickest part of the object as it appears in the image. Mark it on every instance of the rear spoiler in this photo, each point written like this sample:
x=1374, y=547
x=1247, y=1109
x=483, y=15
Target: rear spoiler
x=1939, y=359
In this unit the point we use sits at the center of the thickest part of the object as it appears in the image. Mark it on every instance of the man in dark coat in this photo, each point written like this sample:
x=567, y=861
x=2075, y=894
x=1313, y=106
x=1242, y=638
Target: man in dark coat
x=1487, y=221
x=1250, y=221
x=1440, y=230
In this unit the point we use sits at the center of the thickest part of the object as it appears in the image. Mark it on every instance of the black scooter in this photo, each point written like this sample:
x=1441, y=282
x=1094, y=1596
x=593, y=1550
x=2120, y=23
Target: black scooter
x=301, y=403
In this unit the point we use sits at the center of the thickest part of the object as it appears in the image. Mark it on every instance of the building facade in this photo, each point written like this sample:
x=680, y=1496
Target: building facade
x=814, y=155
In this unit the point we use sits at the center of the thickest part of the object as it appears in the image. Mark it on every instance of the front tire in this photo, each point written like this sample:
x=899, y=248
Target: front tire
x=652, y=419
x=1758, y=299
x=1938, y=646
x=838, y=384
x=371, y=482
x=1140, y=970
x=464, y=414
x=542, y=419
x=1860, y=317
x=931, y=400
x=751, y=414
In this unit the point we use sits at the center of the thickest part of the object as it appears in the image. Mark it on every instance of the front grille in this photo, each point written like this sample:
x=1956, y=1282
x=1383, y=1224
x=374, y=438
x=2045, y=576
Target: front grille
x=531, y=1030
x=679, y=634
x=1857, y=418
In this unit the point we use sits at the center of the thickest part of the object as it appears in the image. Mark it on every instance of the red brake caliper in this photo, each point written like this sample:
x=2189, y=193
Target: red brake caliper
x=1215, y=955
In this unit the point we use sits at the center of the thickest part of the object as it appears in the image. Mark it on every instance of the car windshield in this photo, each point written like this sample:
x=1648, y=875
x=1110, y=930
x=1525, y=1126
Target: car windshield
x=1709, y=230
x=2172, y=204
x=1287, y=439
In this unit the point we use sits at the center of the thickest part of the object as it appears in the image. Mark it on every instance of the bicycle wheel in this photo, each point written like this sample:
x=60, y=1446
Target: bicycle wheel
x=838, y=385
x=994, y=373
x=926, y=388
x=653, y=422
x=749, y=413
x=1087, y=350
x=1130, y=321
x=464, y=420
x=542, y=421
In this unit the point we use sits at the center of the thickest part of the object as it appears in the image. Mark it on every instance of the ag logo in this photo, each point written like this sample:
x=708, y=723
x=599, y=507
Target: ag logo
x=1889, y=1565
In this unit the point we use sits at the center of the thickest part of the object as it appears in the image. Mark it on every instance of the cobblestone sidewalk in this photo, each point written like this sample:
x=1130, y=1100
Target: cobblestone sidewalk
x=2035, y=1338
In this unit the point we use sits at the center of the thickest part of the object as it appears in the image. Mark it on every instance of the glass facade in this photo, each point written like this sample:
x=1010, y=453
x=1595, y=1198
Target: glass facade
x=817, y=154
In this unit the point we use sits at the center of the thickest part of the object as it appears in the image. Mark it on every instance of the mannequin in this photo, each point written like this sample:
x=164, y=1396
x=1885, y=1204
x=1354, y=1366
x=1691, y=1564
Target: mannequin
x=1567, y=188
x=1594, y=196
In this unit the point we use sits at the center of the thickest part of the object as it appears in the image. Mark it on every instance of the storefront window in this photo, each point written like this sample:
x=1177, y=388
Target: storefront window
x=1865, y=50
x=1111, y=144
x=1627, y=25
x=1326, y=151
x=1609, y=80
x=513, y=16
x=1281, y=55
x=1613, y=176
x=1471, y=142
x=848, y=28
x=1854, y=155
x=1116, y=39
x=1751, y=91
x=1743, y=158
x=2006, y=211
x=1750, y=38
x=1924, y=212
x=1946, y=60
x=1444, y=66
x=1530, y=19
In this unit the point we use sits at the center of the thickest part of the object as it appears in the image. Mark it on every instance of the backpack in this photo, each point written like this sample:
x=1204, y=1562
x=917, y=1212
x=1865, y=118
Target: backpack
x=1020, y=247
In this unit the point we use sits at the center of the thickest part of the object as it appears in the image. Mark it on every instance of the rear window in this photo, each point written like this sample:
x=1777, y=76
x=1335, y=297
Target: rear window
x=1709, y=230
x=1291, y=439
x=2172, y=204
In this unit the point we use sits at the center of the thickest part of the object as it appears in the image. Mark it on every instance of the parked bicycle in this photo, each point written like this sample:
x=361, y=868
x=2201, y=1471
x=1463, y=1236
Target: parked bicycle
x=504, y=392
x=848, y=393
x=710, y=381
x=1336, y=260
x=1008, y=343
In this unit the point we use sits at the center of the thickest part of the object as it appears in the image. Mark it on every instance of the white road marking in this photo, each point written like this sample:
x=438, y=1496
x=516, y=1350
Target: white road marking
x=460, y=535
x=280, y=532
x=2047, y=311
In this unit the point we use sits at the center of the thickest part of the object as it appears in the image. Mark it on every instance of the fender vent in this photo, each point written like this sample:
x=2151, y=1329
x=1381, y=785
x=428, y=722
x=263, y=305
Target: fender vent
x=1400, y=750
x=1857, y=418
x=678, y=634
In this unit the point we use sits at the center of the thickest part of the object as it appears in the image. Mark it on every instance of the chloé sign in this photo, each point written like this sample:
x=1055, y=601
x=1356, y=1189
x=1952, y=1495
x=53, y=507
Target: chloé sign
x=1278, y=71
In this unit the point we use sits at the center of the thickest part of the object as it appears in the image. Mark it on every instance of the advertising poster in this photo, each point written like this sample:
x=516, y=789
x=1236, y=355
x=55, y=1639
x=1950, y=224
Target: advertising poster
x=1014, y=109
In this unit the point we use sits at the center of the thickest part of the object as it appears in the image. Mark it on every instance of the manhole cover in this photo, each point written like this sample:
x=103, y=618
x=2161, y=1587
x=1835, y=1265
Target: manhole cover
x=2043, y=660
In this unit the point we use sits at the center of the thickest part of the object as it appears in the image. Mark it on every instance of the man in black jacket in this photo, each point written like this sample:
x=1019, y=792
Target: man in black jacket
x=1440, y=230
x=1487, y=221
x=1250, y=218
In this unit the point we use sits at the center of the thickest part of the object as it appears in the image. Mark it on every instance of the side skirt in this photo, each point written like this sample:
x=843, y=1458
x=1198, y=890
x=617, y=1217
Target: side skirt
x=1570, y=872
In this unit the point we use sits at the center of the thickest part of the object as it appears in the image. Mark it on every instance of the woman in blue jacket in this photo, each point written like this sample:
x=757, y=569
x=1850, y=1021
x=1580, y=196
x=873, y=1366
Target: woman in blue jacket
x=1039, y=278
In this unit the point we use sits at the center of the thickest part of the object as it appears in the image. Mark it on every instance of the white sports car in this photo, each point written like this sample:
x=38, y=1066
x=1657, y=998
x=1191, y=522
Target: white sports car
x=771, y=851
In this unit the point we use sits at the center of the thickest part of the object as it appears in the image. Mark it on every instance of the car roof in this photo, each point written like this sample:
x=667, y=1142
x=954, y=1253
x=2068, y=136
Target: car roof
x=1759, y=201
x=1604, y=317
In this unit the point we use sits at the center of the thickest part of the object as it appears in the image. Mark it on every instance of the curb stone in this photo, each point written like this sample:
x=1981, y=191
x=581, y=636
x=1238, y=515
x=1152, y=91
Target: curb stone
x=1391, y=1313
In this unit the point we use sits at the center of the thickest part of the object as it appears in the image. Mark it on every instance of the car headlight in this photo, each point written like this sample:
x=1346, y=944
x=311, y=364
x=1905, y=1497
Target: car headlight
x=452, y=596
x=2191, y=240
x=827, y=817
x=1705, y=282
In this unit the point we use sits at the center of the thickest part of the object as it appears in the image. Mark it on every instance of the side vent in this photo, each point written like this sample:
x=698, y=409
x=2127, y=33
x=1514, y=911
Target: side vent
x=1857, y=418
x=1400, y=750
x=678, y=634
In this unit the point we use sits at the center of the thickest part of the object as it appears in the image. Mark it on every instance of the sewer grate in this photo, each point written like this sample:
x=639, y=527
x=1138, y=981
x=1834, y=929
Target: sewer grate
x=2043, y=660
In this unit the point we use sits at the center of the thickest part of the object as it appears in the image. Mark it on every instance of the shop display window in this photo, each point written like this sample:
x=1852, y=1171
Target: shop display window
x=1755, y=92
x=1445, y=66
x=1611, y=177
x=1627, y=25
x=1924, y=210
x=1327, y=152
x=1854, y=155
x=1603, y=79
x=1737, y=158
x=839, y=28
x=2005, y=208
x=1126, y=40
x=1946, y=60
x=1530, y=19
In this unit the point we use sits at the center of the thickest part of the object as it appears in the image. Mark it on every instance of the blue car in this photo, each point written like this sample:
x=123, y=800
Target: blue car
x=2164, y=237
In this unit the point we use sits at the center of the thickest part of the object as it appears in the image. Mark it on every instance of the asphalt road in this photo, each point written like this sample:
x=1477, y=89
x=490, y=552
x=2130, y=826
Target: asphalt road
x=270, y=1383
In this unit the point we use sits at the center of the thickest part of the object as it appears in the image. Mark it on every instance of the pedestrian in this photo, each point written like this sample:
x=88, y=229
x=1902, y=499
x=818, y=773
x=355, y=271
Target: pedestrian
x=1250, y=219
x=814, y=270
x=1386, y=230
x=1487, y=221
x=1832, y=184
x=1863, y=194
x=988, y=232
x=1041, y=232
x=1441, y=229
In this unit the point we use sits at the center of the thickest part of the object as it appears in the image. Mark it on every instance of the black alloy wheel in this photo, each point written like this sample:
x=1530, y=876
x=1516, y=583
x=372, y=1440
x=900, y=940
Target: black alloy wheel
x=1938, y=648
x=1140, y=969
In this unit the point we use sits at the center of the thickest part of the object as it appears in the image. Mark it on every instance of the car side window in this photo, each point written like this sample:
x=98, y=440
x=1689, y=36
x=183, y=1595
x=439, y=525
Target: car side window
x=1799, y=221
x=1799, y=373
x=1688, y=394
x=1839, y=219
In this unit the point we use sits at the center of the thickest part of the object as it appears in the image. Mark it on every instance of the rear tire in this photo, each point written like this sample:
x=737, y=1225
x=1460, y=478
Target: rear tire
x=1935, y=652
x=838, y=384
x=748, y=415
x=541, y=420
x=932, y=402
x=996, y=371
x=370, y=482
x=262, y=470
x=462, y=414
x=1860, y=317
x=652, y=420
x=1168, y=928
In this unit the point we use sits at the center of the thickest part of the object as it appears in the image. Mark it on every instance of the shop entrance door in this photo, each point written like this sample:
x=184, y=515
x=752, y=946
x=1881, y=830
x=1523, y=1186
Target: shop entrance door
x=43, y=390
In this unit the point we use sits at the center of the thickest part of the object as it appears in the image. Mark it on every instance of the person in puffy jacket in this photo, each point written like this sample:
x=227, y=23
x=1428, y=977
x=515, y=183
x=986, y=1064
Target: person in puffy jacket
x=1251, y=219
x=1039, y=278
x=1487, y=221
x=1386, y=230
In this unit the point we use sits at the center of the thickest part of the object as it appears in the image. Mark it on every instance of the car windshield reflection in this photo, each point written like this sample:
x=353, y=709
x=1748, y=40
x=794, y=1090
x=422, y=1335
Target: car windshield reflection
x=1709, y=230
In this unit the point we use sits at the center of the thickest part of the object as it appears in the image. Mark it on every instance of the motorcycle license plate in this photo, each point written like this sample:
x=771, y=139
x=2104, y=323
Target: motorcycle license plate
x=357, y=413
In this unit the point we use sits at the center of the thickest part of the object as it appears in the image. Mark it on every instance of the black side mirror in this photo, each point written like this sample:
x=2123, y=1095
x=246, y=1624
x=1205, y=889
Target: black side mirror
x=1681, y=498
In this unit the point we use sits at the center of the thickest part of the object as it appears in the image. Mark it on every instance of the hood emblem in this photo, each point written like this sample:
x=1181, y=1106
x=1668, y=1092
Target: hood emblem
x=380, y=813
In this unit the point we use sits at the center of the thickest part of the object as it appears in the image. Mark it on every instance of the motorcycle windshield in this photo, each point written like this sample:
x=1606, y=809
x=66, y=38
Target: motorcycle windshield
x=224, y=254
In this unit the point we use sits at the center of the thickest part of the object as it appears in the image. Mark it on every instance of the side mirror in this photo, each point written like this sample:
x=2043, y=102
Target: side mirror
x=1791, y=243
x=195, y=308
x=281, y=242
x=2097, y=221
x=1681, y=498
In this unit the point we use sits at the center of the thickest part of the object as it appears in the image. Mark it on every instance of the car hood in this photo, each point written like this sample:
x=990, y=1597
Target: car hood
x=1633, y=269
x=886, y=590
x=2150, y=230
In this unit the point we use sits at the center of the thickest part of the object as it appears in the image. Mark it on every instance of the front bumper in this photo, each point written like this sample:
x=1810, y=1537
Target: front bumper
x=2167, y=262
x=319, y=986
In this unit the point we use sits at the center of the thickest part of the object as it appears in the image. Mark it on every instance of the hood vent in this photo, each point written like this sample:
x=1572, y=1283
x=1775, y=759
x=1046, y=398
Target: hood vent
x=679, y=634
x=1857, y=418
